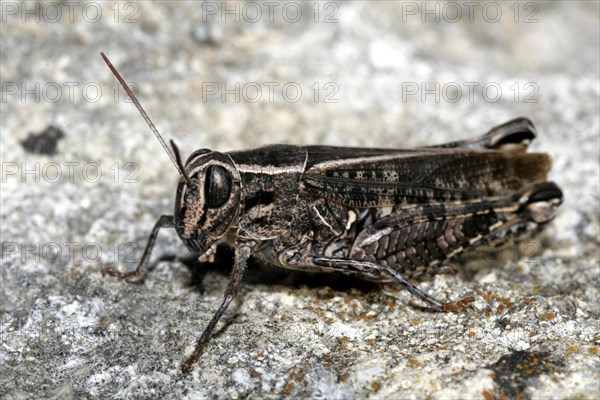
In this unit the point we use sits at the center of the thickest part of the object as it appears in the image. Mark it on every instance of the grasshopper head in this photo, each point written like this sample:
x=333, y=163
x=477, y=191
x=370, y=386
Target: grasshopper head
x=208, y=195
x=208, y=198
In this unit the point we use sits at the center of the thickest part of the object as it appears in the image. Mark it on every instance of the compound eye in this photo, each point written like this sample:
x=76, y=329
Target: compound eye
x=217, y=186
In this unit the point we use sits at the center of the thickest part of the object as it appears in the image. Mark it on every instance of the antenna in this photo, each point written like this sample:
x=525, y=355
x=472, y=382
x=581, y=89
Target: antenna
x=179, y=163
x=179, y=166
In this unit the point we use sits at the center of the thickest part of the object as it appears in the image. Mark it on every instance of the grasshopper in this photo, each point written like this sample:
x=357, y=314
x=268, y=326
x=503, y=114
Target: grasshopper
x=385, y=215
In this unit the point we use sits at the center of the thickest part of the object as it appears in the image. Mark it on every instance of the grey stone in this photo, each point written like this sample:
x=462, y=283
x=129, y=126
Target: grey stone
x=68, y=332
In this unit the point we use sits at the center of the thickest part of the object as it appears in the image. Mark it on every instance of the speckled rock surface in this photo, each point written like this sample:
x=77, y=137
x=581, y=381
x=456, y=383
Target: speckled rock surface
x=398, y=78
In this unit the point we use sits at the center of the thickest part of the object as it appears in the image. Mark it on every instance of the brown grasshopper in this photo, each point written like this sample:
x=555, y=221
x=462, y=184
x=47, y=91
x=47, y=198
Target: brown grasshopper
x=385, y=215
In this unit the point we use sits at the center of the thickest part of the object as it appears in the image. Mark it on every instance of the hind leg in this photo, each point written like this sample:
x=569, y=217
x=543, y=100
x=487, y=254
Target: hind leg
x=518, y=132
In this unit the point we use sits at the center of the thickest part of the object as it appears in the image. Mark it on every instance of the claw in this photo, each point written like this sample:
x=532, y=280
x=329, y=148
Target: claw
x=459, y=305
x=187, y=365
x=110, y=271
x=122, y=276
